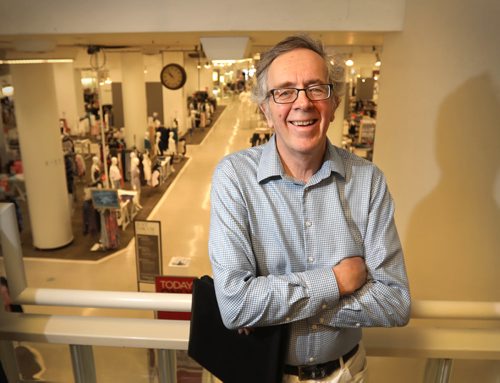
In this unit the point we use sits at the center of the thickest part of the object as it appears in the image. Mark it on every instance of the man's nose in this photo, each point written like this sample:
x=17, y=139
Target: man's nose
x=302, y=98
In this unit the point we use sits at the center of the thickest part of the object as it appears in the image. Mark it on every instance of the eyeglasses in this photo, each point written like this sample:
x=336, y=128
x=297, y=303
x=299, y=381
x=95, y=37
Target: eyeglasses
x=313, y=93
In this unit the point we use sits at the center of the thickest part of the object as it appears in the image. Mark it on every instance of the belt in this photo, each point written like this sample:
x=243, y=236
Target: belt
x=318, y=371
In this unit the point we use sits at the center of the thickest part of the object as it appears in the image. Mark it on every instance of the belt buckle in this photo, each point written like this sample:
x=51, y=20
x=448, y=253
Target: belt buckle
x=311, y=372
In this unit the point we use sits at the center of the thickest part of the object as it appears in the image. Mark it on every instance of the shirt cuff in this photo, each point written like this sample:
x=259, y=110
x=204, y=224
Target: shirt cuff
x=323, y=289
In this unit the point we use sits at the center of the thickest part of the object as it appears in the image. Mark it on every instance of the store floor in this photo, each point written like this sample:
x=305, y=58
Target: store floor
x=183, y=211
x=80, y=247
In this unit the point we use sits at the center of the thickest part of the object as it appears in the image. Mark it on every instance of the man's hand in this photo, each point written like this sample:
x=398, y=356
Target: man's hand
x=245, y=330
x=350, y=274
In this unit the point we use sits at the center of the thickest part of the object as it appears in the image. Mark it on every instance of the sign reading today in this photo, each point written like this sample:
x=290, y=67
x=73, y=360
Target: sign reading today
x=171, y=284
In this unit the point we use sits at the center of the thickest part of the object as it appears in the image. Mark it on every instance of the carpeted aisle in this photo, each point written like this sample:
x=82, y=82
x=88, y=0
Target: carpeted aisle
x=80, y=247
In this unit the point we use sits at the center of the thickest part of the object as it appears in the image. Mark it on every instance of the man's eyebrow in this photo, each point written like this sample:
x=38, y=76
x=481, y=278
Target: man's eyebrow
x=289, y=84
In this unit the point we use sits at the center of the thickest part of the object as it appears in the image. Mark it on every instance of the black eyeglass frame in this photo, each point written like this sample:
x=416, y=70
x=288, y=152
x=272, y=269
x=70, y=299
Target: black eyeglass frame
x=297, y=91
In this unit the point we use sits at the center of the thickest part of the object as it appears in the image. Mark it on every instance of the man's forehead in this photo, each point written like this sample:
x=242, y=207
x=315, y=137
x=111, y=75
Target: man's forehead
x=298, y=64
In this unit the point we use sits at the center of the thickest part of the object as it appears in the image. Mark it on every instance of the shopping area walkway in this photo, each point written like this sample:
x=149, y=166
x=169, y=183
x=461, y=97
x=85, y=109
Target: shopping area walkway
x=184, y=215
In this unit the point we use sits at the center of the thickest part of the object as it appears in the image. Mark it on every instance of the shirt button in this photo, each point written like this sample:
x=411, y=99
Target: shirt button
x=287, y=319
x=321, y=320
x=324, y=307
x=314, y=327
x=310, y=259
x=311, y=359
x=358, y=324
x=308, y=223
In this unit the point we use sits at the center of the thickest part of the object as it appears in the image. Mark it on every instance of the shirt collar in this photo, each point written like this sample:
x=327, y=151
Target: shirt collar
x=270, y=163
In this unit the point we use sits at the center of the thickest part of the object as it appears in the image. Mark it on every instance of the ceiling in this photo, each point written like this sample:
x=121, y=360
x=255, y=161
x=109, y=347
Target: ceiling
x=69, y=45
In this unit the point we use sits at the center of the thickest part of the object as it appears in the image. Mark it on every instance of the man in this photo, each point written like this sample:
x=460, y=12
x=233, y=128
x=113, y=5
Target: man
x=302, y=233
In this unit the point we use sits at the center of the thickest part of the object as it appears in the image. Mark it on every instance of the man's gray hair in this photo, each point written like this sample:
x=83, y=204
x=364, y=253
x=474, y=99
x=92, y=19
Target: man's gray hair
x=335, y=68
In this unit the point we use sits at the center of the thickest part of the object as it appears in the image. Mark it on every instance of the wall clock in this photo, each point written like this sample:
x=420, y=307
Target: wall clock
x=173, y=76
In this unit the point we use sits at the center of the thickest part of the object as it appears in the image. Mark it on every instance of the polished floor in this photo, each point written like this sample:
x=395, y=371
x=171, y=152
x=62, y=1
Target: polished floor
x=184, y=215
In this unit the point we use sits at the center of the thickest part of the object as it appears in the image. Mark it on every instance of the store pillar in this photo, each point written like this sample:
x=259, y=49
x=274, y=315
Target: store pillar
x=175, y=101
x=66, y=93
x=134, y=99
x=3, y=146
x=335, y=131
x=42, y=155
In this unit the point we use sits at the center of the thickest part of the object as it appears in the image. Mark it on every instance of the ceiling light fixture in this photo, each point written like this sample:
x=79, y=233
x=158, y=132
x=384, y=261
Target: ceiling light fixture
x=35, y=61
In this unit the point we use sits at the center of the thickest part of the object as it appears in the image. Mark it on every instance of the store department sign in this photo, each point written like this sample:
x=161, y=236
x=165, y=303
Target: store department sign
x=174, y=284
x=148, y=250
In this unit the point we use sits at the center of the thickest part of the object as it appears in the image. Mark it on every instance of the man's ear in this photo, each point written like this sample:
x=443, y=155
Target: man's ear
x=336, y=102
x=264, y=108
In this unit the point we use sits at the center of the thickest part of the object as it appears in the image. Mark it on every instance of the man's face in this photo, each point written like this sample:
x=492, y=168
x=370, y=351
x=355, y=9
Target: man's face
x=301, y=126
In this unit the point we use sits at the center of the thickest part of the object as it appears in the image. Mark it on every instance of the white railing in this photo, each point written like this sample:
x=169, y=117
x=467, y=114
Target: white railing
x=82, y=332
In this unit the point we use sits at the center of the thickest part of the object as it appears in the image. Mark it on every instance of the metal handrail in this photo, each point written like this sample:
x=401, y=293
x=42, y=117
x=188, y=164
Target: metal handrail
x=105, y=299
x=421, y=309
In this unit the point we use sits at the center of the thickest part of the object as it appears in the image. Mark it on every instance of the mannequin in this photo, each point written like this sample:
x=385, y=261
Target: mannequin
x=172, y=145
x=95, y=172
x=156, y=120
x=136, y=180
x=158, y=150
x=129, y=174
x=147, y=141
x=182, y=147
x=114, y=173
x=146, y=163
x=192, y=118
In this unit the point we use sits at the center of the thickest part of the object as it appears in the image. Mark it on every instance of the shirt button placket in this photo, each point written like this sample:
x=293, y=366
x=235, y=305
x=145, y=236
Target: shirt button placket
x=308, y=224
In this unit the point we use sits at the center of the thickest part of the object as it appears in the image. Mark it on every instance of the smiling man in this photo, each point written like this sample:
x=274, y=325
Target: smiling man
x=302, y=233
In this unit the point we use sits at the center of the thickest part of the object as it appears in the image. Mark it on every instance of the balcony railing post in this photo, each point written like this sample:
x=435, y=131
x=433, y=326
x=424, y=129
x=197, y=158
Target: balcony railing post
x=438, y=370
x=9, y=362
x=82, y=358
x=167, y=366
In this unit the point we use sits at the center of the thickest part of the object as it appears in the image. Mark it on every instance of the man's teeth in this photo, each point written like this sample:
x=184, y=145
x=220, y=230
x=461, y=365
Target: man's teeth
x=302, y=123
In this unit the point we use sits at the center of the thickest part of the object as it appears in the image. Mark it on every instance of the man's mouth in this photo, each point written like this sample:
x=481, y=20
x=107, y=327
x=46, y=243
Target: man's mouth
x=303, y=123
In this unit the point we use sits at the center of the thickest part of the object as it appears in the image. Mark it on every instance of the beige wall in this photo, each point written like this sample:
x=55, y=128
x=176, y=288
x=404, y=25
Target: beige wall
x=438, y=141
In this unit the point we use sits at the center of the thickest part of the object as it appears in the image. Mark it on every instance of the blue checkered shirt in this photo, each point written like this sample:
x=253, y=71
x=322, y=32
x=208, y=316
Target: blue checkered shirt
x=274, y=241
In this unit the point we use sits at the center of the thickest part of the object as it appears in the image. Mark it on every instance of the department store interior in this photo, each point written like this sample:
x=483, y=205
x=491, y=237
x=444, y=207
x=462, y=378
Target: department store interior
x=128, y=128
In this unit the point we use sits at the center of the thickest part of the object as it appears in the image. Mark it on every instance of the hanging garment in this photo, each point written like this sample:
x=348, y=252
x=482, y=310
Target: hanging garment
x=80, y=165
x=112, y=229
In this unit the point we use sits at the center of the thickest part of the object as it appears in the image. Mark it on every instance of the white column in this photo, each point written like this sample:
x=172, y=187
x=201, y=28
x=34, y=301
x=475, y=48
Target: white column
x=134, y=99
x=337, y=126
x=66, y=94
x=3, y=147
x=174, y=101
x=42, y=155
x=80, y=104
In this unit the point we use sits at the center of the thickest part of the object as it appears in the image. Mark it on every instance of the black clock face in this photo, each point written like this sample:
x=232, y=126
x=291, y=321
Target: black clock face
x=173, y=76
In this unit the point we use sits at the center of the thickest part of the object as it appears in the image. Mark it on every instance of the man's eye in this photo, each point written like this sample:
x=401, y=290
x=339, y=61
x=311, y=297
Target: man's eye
x=316, y=91
x=284, y=93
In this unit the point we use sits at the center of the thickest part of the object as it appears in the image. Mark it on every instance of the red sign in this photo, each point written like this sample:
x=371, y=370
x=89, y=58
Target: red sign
x=179, y=285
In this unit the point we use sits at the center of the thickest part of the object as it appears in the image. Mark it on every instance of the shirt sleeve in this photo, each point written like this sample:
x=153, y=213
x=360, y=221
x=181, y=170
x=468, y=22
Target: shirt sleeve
x=245, y=298
x=384, y=301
